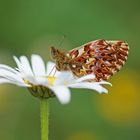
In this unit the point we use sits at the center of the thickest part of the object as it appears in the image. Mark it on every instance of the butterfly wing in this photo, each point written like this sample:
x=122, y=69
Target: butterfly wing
x=103, y=58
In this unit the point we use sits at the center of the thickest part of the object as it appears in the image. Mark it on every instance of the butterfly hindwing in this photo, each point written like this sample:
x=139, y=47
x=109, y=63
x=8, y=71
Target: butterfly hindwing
x=100, y=57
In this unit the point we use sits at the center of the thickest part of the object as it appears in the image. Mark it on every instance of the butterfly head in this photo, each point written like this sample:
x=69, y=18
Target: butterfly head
x=61, y=60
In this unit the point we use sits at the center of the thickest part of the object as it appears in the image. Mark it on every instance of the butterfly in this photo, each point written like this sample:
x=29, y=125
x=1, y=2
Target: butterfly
x=101, y=57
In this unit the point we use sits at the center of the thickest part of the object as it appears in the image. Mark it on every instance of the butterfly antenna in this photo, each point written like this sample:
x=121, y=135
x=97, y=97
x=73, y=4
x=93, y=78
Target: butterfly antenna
x=62, y=40
x=52, y=70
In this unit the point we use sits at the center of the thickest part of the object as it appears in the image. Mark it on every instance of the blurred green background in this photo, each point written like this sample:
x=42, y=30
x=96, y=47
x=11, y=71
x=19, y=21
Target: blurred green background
x=32, y=26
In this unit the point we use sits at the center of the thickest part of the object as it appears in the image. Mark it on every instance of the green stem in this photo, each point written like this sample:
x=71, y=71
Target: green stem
x=44, y=113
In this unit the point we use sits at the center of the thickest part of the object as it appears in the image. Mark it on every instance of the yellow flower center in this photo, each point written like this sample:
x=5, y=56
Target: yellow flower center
x=51, y=79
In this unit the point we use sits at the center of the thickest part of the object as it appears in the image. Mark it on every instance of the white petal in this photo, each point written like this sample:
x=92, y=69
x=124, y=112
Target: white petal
x=38, y=80
x=12, y=79
x=38, y=65
x=57, y=73
x=4, y=73
x=104, y=82
x=62, y=93
x=50, y=68
x=19, y=65
x=7, y=68
x=42, y=81
x=31, y=79
x=89, y=85
x=9, y=73
x=63, y=78
x=3, y=81
x=26, y=66
x=86, y=77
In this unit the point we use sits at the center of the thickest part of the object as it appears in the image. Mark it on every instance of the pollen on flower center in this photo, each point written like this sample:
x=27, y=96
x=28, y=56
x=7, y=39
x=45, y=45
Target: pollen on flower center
x=51, y=79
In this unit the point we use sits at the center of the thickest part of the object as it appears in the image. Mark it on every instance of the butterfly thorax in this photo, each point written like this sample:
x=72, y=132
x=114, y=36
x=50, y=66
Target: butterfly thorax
x=60, y=58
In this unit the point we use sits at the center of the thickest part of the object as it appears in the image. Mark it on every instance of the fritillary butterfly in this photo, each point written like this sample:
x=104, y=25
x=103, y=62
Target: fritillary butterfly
x=100, y=57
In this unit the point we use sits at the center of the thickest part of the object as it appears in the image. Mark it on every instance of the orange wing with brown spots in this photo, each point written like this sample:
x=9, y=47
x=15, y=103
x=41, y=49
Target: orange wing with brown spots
x=101, y=57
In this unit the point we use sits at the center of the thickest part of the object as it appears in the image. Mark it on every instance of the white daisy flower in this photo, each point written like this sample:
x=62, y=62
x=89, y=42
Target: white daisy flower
x=39, y=80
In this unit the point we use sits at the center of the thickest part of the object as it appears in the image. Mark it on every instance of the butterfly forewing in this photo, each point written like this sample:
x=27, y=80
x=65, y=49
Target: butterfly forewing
x=100, y=57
